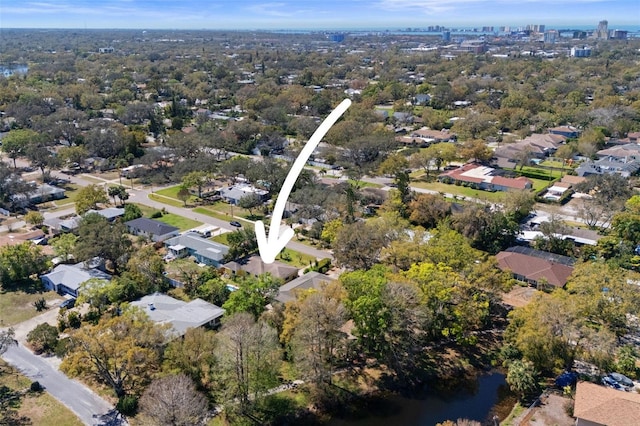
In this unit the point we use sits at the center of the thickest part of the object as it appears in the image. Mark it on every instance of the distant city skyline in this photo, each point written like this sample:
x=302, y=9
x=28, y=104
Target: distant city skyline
x=313, y=14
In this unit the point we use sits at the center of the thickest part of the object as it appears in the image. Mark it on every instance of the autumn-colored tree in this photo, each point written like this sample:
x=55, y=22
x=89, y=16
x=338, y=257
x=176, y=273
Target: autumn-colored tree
x=393, y=164
x=122, y=352
x=476, y=150
x=428, y=209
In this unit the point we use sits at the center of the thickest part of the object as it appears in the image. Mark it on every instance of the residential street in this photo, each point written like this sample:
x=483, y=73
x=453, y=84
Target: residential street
x=140, y=195
x=89, y=407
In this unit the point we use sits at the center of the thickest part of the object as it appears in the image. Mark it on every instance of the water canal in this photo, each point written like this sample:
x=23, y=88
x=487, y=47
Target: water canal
x=477, y=399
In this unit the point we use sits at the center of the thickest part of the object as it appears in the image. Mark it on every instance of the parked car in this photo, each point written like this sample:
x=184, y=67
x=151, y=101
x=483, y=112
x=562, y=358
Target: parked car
x=235, y=223
x=622, y=379
x=608, y=381
x=69, y=303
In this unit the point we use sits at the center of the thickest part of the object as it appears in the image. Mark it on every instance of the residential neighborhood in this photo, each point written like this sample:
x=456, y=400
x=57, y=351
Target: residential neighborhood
x=470, y=222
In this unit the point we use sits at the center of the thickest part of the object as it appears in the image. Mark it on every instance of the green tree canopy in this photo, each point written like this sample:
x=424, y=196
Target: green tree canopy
x=89, y=197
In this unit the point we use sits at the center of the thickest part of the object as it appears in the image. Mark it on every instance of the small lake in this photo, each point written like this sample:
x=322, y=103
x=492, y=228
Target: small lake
x=478, y=400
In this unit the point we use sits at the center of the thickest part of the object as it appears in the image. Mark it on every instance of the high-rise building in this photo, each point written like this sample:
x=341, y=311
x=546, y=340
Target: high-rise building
x=550, y=36
x=581, y=52
x=535, y=28
x=446, y=35
x=619, y=34
x=602, y=33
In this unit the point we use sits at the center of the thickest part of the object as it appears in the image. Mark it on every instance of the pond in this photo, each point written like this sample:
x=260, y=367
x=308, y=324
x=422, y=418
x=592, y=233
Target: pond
x=478, y=399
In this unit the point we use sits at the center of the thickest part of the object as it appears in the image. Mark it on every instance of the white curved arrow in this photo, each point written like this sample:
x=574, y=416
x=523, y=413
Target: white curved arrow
x=270, y=248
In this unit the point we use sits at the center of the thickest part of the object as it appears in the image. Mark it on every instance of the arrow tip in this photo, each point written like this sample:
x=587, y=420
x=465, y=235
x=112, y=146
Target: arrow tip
x=270, y=248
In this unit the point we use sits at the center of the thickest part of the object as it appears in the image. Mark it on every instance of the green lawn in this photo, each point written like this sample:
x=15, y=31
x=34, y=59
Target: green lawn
x=169, y=218
x=362, y=184
x=41, y=408
x=553, y=174
x=180, y=222
x=295, y=258
x=221, y=238
x=539, y=184
x=166, y=200
x=558, y=165
x=171, y=192
x=213, y=213
x=17, y=306
x=92, y=179
x=71, y=191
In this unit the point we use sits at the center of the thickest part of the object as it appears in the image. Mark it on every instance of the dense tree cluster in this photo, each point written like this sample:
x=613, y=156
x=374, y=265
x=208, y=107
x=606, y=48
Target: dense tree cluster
x=419, y=274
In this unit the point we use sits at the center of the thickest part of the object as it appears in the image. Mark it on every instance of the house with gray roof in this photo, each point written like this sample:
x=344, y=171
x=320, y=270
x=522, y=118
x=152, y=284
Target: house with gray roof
x=72, y=223
x=152, y=229
x=608, y=165
x=312, y=280
x=41, y=194
x=623, y=160
x=194, y=244
x=66, y=279
x=110, y=213
x=178, y=314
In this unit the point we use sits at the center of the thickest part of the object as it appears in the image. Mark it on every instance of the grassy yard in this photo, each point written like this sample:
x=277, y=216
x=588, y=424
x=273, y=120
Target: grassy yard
x=17, y=306
x=91, y=179
x=539, y=184
x=180, y=222
x=71, y=191
x=169, y=218
x=41, y=408
x=295, y=258
x=221, y=238
x=558, y=165
x=548, y=174
x=166, y=200
x=235, y=211
x=362, y=184
x=212, y=212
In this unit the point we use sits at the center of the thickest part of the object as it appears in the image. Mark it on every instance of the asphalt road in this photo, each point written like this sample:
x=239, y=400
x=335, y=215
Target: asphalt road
x=89, y=407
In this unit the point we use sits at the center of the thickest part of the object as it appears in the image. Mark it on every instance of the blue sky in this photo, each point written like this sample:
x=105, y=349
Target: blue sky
x=312, y=14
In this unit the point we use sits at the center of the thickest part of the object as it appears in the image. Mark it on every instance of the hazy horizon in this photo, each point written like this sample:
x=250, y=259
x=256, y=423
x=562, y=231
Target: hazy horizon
x=312, y=14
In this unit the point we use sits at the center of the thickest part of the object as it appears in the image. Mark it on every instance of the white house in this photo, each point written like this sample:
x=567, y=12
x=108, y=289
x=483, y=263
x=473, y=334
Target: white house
x=66, y=279
x=181, y=315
